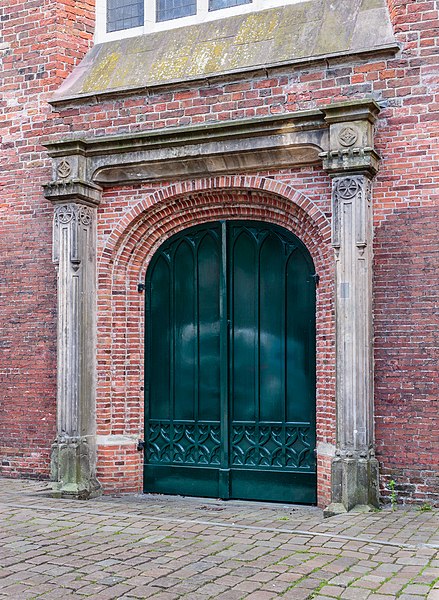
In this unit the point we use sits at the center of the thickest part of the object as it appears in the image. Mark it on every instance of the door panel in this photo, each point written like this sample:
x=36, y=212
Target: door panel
x=160, y=342
x=230, y=355
x=271, y=329
x=244, y=332
x=209, y=328
x=184, y=335
x=182, y=407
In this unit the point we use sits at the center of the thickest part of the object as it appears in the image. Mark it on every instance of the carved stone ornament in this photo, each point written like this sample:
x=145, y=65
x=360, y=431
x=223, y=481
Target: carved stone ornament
x=348, y=136
x=85, y=215
x=347, y=187
x=64, y=169
x=65, y=213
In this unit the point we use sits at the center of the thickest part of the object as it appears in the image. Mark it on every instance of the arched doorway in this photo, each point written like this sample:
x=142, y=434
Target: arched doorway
x=230, y=364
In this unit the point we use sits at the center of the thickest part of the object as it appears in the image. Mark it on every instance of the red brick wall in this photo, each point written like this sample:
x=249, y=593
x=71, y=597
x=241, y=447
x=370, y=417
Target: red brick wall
x=406, y=226
x=40, y=43
x=406, y=350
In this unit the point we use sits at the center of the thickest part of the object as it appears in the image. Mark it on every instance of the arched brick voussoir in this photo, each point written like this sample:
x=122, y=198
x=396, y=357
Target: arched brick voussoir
x=172, y=208
x=213, y=206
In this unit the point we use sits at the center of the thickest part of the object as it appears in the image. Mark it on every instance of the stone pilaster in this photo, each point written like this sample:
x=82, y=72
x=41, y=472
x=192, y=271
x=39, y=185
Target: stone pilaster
x=73, y=460
x=352, y=163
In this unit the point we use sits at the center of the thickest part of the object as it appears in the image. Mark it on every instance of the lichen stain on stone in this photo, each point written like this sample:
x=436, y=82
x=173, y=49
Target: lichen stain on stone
x=368, y=4
x=125, y=74
x=331, y=38
x=207, y=57
x=295, y=41
x=170, y=66
x=172, y=63
x=257, y=27
x=139, y=44
x=241, y=55
x=100, y=76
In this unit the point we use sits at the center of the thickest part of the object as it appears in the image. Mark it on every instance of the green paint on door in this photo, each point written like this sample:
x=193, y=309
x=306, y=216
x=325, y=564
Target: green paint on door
x=230, y=365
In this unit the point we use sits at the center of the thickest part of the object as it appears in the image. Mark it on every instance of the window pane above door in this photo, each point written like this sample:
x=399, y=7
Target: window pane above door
x=124, y=14
x=218, y=4
x=175, y=9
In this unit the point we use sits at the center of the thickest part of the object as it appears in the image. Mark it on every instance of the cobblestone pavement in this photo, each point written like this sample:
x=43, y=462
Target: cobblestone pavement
x=167, y=548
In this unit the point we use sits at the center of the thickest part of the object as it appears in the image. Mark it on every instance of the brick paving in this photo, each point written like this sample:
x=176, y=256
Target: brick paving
x=169, y=548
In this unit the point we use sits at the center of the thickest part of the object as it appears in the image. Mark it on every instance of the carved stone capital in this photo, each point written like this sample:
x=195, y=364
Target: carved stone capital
x=75, y=220
x=364, y=160
x=74, y=190
x=351, y=138
x=71, y=163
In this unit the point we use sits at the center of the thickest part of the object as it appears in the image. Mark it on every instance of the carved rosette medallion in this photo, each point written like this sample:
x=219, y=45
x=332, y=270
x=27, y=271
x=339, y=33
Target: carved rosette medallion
x=85, y=215
x=348, y=136
x=63, y=214
x=64, y=169
x=347, y=188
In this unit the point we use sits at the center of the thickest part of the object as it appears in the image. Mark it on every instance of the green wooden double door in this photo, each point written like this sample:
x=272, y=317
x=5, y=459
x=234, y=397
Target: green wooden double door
x=230, y=365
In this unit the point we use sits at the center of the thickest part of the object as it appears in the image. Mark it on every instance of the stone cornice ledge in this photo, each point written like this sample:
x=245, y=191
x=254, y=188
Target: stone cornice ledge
x=95, y=97
x=340, y=134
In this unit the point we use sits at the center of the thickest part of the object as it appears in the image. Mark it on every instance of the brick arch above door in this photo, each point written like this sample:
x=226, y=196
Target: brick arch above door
x=287, y=205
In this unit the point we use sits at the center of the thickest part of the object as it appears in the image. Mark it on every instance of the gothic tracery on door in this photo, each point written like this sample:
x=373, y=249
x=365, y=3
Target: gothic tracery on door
x=230, y=364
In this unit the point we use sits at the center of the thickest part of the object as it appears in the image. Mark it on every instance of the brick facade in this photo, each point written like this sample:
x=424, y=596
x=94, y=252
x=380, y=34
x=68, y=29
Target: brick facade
x=134, y=220
x=40, y=43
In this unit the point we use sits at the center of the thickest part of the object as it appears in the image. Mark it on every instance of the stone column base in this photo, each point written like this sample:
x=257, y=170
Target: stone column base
x=354, y=485
x=72, y=472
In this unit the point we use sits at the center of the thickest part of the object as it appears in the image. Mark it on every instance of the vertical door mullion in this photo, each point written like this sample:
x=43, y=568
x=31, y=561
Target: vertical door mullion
x=258, y=332
x=285, y=353
x=172, y=352
x=224, y=474
x=196, y=284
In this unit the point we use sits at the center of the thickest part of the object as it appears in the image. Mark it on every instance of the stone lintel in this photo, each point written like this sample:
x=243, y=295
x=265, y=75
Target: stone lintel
x=196, y=151
x=158, y=138
x=341, y=135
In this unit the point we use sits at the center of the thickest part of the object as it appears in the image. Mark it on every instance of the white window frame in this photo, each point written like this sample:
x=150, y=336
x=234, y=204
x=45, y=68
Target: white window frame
x=150, y=25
